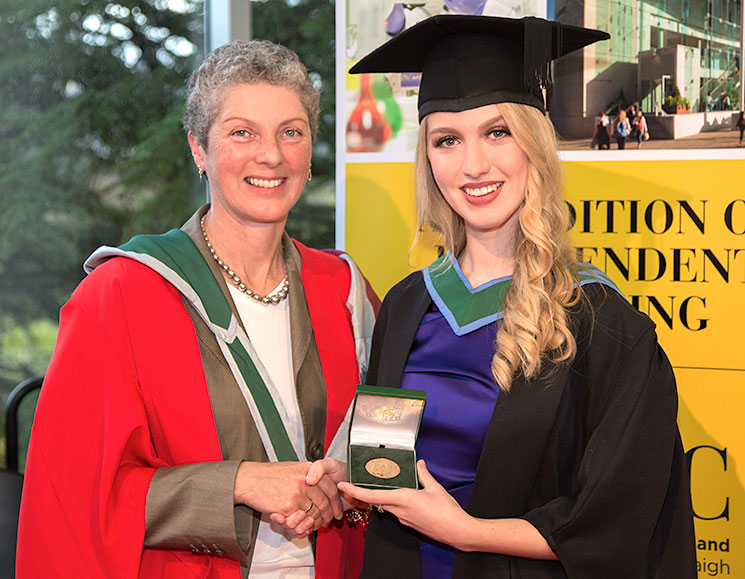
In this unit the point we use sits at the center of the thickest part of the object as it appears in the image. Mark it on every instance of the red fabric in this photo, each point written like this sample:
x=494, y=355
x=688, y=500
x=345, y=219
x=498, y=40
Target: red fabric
x=372, y=297
x=125, y=393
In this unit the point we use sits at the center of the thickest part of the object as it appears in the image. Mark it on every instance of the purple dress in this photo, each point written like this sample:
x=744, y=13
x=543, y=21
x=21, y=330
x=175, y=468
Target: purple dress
x=455, y=371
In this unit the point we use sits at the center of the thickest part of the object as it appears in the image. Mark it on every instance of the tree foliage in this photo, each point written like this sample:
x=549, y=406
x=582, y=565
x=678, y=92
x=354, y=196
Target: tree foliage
x=93, y=146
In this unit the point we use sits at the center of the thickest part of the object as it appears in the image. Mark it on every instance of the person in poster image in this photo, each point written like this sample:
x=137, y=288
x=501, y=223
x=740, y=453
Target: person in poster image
x=199, y=374
x=622, y=130
x=639, y=128
x=601, y=134
x=549, y=443
x=724, y=102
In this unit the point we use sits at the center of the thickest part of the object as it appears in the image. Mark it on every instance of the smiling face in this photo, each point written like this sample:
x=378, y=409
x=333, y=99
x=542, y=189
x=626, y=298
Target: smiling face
x=259, y=152
x=479, y=169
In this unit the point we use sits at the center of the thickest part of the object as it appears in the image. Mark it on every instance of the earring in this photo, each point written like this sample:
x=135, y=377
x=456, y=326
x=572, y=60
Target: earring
x=202, y=173
x=310, y=174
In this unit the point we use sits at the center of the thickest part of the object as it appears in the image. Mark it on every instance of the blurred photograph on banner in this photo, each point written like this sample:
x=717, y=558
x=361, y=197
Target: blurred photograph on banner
x=668, y=78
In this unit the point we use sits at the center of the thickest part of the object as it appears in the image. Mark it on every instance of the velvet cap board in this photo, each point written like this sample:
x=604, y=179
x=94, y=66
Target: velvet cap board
x=471, y=61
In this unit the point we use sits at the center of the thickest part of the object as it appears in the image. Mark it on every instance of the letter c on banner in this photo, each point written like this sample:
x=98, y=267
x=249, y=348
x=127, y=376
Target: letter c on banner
x=723, y=454
x=728, y=217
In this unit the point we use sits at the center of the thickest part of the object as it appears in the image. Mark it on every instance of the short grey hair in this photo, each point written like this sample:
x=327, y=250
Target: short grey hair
x=240, y=62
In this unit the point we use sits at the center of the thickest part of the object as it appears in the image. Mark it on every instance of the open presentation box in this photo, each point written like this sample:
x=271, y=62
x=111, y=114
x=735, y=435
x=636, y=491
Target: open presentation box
x=382, y=437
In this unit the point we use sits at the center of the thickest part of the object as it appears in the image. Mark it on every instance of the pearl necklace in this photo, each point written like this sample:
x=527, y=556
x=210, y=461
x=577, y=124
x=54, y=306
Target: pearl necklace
x=269, y=299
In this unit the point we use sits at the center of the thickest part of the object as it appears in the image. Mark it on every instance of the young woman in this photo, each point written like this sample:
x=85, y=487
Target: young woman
x=549, y=439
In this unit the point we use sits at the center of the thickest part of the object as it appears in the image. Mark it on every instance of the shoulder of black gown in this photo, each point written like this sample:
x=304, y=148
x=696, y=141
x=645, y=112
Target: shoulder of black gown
x=631, y=484
x=603, y=309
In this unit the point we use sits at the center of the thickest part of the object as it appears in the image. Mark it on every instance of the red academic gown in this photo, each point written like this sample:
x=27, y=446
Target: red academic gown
x=125, y=393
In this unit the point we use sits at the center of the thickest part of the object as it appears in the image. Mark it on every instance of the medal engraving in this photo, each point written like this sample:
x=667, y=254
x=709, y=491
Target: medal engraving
x=382, y=468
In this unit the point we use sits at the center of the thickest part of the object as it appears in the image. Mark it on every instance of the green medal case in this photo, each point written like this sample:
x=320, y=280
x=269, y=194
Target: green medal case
x=382, y=437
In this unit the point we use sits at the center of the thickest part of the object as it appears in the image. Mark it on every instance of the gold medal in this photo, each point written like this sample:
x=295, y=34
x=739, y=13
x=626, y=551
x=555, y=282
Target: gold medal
x=382, y=468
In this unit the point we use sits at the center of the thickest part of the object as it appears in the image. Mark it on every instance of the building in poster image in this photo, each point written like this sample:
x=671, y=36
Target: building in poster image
x=676, y=60
x=658, y=49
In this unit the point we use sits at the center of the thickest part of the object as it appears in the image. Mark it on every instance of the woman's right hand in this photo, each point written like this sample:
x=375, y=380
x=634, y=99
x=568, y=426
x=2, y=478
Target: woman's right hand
x=431, y=510
x=281, y=488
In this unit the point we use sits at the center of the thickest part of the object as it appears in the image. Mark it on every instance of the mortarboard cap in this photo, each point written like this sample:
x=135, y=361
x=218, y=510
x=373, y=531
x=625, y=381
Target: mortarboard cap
x=471, y=61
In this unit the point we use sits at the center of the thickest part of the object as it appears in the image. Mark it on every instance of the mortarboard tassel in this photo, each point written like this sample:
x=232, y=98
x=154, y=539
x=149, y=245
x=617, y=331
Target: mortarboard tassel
x=539, y=35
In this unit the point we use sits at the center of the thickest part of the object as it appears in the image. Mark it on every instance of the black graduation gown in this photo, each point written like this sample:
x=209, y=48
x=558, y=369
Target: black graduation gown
x=590, y=454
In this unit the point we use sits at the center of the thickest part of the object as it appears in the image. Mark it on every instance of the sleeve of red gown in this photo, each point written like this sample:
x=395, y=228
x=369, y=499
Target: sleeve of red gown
x=190, y=506
x=124, y=395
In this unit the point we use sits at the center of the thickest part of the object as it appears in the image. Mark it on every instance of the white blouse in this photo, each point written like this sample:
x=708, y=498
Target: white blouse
x=268, y=329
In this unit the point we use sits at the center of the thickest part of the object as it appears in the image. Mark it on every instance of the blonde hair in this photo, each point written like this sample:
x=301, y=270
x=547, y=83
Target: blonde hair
x=535, y=328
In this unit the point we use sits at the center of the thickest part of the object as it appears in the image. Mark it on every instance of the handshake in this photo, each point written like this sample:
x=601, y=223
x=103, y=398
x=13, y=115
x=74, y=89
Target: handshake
x=301, y=497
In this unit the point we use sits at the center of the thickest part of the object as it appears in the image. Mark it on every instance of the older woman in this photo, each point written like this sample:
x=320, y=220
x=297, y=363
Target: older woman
x=198, y=373
x=549, y=431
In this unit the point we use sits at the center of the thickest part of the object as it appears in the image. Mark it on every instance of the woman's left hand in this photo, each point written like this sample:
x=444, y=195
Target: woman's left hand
x=431, y=510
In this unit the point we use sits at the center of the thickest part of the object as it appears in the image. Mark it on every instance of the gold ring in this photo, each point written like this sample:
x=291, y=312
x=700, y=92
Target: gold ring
x=309, y=507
